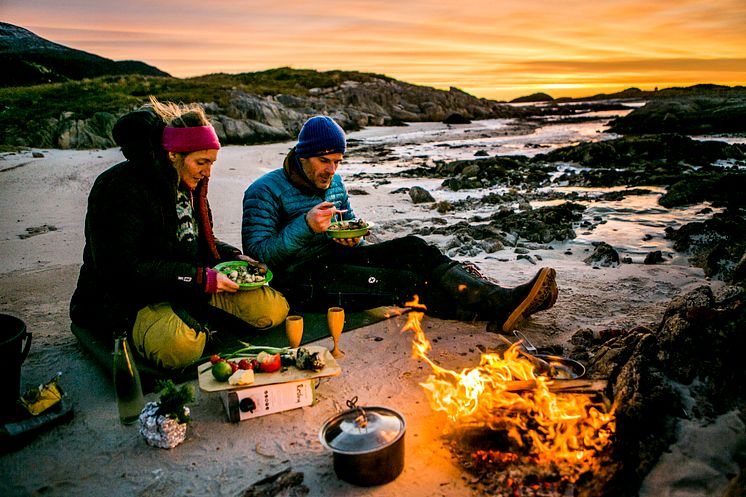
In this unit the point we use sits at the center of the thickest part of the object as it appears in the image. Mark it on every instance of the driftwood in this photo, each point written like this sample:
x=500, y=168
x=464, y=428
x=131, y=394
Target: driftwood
x=286, y=483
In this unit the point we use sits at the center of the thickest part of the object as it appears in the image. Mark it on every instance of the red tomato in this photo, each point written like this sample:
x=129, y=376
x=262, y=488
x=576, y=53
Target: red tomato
x=214, y=359
x=271, y=363
x=234, y=365
x=244, y=364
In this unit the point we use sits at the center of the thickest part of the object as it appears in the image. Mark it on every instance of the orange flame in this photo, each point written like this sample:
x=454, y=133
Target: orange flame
x=568, y=430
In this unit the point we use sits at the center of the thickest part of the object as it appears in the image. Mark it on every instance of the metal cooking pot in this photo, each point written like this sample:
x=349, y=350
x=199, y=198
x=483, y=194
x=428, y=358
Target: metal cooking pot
x=367, y=443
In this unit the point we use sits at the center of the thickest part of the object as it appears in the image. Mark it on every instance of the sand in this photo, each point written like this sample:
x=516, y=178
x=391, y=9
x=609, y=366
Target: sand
x=94, y=455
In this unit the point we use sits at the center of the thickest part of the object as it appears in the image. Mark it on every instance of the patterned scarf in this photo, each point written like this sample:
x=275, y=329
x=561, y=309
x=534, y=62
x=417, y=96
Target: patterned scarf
x=187, y=229
x=195, y=219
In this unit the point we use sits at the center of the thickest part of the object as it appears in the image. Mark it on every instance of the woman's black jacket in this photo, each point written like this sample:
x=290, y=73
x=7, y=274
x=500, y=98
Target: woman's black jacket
x=131, y=256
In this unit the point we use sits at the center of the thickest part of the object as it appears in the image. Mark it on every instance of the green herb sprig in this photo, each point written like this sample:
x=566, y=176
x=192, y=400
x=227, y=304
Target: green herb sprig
x=173, y=400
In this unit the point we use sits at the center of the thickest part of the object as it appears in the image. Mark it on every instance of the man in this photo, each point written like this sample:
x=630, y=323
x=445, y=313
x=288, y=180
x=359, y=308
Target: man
x=287, y=212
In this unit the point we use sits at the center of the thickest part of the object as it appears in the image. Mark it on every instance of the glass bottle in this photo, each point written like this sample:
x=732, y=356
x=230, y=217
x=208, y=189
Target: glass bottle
x=127, y=383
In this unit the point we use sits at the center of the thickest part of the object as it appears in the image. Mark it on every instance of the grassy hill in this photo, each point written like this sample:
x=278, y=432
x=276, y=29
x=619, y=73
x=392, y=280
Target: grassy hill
x=22, y=106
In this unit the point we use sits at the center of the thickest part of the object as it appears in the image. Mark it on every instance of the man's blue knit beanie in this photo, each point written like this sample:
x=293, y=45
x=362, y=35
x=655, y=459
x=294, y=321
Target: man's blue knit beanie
x=320, y=135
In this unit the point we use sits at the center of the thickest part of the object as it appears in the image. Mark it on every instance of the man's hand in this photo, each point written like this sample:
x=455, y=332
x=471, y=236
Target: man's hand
x=225, y=284
x=262, y=268
x=348, y=242
x=320, y=216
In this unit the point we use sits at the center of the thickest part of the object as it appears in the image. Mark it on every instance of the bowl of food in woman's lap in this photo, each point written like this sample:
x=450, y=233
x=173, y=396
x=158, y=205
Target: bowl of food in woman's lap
x=248, y=276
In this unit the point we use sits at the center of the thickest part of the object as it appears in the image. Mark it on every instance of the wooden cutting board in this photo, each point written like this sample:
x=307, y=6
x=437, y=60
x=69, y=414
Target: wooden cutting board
x=208, y=383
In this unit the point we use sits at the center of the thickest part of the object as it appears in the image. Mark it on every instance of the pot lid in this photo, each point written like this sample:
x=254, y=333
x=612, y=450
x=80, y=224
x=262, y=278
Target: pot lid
x=362, y=430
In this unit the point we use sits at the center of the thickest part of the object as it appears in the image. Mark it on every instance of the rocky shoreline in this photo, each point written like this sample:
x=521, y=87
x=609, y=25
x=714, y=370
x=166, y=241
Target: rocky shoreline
x=243, y=118
x=685, y=167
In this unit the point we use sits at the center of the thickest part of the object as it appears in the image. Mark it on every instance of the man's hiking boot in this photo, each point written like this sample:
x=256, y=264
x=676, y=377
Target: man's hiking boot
x=477, y=297
x=541, y=295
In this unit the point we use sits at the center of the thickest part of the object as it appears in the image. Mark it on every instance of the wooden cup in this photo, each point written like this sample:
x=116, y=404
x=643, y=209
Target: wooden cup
x=335, y=318
x=294, y=330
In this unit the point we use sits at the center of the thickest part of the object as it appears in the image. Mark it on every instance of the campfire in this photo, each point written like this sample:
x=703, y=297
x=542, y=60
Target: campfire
x=507, y=417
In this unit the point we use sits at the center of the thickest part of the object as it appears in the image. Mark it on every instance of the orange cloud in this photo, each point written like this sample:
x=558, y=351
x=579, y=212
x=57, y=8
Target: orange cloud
x=491, y=48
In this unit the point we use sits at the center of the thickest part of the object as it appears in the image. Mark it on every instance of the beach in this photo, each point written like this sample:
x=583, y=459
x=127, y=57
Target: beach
x=43, y=201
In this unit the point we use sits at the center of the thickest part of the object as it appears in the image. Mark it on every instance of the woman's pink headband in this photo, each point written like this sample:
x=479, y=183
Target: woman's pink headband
x=190, y=139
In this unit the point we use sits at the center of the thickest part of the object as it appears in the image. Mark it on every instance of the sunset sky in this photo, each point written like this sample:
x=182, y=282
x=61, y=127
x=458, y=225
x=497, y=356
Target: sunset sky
x=490, y=48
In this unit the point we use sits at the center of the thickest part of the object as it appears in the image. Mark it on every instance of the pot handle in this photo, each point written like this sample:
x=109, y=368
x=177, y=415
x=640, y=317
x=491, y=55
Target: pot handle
x=26, y=347
x=362, y=420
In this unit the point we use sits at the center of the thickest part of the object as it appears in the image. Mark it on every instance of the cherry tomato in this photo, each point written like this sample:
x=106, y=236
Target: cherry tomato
x=271, y=363
x=244, y=364
x=214, y=359
x=234, y=365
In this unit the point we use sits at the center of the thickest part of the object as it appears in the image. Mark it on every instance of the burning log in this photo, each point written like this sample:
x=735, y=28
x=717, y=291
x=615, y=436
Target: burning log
x=561, y=386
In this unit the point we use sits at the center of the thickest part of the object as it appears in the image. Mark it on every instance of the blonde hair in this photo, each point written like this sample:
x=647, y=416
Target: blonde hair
x=179, y=115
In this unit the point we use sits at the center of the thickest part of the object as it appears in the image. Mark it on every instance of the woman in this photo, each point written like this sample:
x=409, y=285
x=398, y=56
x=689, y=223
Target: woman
x=150, y=245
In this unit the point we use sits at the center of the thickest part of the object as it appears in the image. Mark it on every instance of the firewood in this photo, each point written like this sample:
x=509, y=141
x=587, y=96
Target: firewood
x=562, y=386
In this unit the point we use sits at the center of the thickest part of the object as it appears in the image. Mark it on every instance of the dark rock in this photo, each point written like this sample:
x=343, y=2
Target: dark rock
x=739, y=273
x=94, y=132
x=419, y=195
x=603, y=256
x=697, y=115
x=655, y=257
x=637, y=152
x=357, y=191
x=481, y=173
x=481, y=153
x=444, y=206
x=737, y=486
x=542, y=225
x=534, y=97
x=456, y=118
x=471, y=171
x=700, y=337
x=720, y=188
x=37, y=155
x=716, y=245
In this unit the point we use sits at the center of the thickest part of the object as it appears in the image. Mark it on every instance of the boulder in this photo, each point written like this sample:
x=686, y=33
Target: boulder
x=603, y=256
x=654, y=257
x=94, y=132
x=694, y=115
x=246, y=132
x=456, y=118
x=419, y=195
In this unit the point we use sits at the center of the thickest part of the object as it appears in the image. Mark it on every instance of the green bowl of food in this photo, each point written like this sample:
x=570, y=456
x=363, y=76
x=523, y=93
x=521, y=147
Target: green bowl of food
x=352, y=228
x=246, y=275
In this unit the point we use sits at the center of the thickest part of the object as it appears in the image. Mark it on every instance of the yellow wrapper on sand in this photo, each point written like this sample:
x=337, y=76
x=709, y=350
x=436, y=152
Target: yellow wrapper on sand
x=38, y=399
